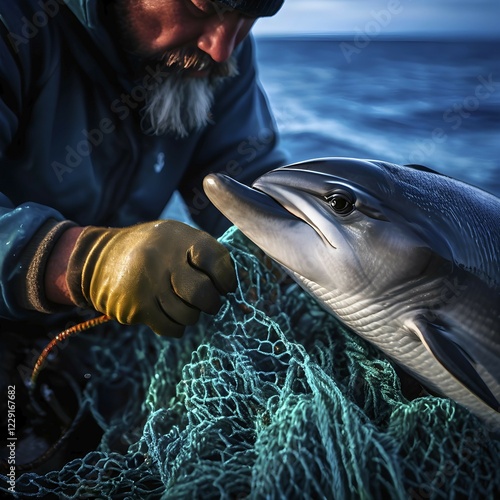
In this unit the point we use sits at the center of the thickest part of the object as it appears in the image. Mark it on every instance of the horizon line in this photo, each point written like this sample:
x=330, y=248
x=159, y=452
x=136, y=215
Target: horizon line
x=415, y=35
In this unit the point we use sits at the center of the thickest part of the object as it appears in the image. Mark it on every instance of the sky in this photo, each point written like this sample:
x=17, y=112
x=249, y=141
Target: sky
x=385, y=17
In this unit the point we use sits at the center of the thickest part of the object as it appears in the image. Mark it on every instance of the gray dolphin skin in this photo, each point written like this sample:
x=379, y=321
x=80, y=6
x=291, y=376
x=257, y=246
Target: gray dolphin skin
x=404, y=256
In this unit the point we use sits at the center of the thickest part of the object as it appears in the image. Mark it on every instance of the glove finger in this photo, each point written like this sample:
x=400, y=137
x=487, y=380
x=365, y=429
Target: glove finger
x=167, y=328
x=196, y=288
x=209, y=256
x=154, y=316
x=177, y=310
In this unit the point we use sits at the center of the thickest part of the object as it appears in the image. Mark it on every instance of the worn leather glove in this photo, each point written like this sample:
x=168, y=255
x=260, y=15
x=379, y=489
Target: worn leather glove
x=160, y=273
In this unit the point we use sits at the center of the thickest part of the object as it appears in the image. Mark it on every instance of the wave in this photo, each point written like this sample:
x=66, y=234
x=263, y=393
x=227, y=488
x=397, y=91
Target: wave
x=431, y=103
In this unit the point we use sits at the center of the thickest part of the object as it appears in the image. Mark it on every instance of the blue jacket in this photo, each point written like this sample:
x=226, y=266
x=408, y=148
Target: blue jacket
x=71, y=146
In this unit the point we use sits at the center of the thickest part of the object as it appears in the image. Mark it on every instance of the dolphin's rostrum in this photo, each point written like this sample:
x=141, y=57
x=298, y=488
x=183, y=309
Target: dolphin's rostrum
x=406, y=257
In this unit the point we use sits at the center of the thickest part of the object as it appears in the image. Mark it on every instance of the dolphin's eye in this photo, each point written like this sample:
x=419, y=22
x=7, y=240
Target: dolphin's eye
x=341, y=203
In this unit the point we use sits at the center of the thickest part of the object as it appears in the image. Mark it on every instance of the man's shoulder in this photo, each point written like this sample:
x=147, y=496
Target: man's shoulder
x=28, y=26
x=30, y=17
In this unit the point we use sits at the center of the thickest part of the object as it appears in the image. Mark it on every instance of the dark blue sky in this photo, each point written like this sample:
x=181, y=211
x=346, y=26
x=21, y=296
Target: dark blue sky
x=385, y=17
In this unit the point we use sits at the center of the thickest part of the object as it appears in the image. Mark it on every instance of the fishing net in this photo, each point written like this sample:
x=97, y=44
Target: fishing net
x=271, y=398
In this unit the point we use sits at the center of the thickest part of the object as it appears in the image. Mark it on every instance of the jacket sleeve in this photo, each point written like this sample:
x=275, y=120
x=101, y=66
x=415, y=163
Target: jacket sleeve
x=28, y=230
x=242, y=141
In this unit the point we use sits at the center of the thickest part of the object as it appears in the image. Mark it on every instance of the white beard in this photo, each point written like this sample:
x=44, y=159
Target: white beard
x=182, y=104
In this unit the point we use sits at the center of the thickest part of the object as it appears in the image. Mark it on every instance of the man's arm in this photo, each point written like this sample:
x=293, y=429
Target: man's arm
x=23, y=226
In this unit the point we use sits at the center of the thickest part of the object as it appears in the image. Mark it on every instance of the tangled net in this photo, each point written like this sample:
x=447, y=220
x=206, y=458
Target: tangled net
x=271, y=398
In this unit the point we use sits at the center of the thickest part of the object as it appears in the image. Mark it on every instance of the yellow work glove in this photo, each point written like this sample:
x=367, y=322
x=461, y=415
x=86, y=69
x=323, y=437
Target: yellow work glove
x=160, y=273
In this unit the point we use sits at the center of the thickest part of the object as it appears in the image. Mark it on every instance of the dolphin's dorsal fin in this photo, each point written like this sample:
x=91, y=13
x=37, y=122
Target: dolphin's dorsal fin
x=440, y=342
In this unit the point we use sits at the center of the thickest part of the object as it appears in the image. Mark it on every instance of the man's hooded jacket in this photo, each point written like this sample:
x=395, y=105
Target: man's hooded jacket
x=72, y=147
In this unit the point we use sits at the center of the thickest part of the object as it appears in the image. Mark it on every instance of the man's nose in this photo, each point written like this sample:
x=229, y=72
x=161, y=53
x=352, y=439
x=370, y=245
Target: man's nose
x=222, y=34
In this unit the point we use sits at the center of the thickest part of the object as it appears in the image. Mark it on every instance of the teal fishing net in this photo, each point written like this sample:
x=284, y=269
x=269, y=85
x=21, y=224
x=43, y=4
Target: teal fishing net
x=271, y=398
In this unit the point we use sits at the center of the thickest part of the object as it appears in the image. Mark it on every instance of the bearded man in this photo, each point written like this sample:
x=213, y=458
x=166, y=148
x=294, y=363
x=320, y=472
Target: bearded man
x=107, y=107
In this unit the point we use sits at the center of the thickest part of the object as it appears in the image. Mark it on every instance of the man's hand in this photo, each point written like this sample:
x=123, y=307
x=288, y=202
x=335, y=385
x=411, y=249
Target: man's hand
x=160, y=273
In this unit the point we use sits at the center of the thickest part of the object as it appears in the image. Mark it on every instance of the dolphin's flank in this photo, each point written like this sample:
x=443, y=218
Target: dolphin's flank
x=406, y=257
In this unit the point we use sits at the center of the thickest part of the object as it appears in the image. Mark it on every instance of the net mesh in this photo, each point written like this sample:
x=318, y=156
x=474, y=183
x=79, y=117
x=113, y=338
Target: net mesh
x=271, y=398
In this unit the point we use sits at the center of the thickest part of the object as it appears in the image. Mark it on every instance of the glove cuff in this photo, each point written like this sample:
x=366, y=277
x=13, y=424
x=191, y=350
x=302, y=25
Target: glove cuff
x=34, y=260
x=82, y=262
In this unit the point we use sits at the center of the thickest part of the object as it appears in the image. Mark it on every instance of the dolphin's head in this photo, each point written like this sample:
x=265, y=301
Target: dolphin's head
x=337, y=224
x=406, y=257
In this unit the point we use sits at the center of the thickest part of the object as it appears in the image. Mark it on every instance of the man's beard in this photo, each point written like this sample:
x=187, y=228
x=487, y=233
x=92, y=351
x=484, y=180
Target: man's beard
x=182, y=103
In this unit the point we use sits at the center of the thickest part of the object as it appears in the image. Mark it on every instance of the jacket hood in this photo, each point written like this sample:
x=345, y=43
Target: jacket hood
x=96, y=17
x=86, y=11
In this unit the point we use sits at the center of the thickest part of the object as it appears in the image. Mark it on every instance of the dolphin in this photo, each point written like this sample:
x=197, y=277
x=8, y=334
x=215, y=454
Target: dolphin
x=406, y=257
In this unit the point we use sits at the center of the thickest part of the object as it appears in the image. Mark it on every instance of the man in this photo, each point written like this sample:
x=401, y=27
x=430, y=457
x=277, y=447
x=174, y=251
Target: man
x=106, y=108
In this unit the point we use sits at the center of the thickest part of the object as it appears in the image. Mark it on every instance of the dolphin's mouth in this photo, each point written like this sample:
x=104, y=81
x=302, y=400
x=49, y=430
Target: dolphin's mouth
x=261, y=216
x=265, y=221
x=234, y=199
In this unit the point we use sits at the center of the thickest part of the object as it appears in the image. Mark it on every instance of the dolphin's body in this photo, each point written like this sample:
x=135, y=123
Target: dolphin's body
x=406, y=257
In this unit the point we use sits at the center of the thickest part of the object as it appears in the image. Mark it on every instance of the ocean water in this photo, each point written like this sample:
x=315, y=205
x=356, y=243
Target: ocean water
x=435, y=103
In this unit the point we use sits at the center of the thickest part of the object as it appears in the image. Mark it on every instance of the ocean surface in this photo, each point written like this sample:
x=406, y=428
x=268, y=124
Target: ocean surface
x=435, y=103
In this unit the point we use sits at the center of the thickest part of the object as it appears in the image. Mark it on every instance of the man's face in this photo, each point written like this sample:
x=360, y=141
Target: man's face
x=157, y=26
x=194, y=39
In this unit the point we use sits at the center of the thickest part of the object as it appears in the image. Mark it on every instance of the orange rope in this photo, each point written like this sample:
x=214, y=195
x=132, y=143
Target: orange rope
x=80, y=327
